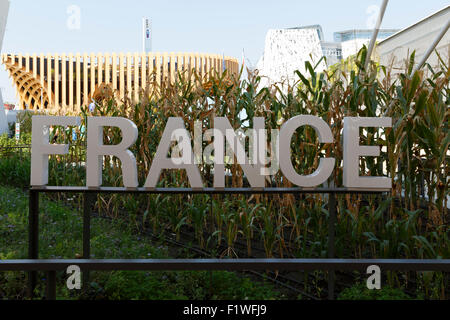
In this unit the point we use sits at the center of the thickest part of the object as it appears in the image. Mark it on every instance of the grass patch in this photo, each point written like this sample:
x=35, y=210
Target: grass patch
x=360, y=292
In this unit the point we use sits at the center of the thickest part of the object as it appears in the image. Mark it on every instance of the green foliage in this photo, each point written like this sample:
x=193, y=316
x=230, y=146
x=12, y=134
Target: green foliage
x=15, y=163
x=360, y=292
x=24, y=118
x=125, y=285
x=6, y=142
x=15, y=171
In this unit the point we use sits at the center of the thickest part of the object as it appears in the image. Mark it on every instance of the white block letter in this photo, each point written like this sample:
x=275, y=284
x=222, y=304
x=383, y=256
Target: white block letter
x=96, y=150
x=174, y=130
x=41, y=147
x=252, y=172
x=326, y=165
x=352, y=152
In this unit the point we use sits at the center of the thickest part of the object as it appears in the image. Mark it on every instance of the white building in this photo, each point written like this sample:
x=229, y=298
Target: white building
x=352, y=41
x=286, y=50
x=419, y=36
x=332, y=51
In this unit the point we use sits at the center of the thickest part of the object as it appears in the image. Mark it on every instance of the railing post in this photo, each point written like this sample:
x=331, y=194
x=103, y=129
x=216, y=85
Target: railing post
x=86, y=235
x=331, y=242
x=51, y=285
x=33, y=237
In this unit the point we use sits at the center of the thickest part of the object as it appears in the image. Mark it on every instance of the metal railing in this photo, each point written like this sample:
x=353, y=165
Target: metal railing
x=19, y=150
x=86, y=264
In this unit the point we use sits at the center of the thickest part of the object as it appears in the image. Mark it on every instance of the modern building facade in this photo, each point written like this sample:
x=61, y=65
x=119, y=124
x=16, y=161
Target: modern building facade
x=64, y=83
x=394, y=50
x=351, y=41
x=286, y=50
x=332, y=51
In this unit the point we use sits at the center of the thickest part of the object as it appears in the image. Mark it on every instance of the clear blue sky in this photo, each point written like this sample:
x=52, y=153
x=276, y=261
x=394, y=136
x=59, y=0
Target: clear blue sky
x=222, y=27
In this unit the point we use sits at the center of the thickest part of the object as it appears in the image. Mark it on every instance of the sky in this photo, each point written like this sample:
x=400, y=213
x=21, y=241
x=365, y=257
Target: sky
x=220, y=27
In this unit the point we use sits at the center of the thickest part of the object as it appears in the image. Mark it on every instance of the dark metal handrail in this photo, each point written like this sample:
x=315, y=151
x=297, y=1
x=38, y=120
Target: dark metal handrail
x=52, y=266
x=227, y=264
x=119, y=190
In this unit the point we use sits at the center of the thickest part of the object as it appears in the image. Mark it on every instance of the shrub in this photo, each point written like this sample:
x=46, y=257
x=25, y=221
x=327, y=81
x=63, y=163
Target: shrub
x=24, y=118
x=360, y=292
x=15, y=171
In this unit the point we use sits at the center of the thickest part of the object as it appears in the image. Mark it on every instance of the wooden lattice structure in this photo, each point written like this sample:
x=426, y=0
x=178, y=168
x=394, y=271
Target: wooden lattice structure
x=64, y=83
